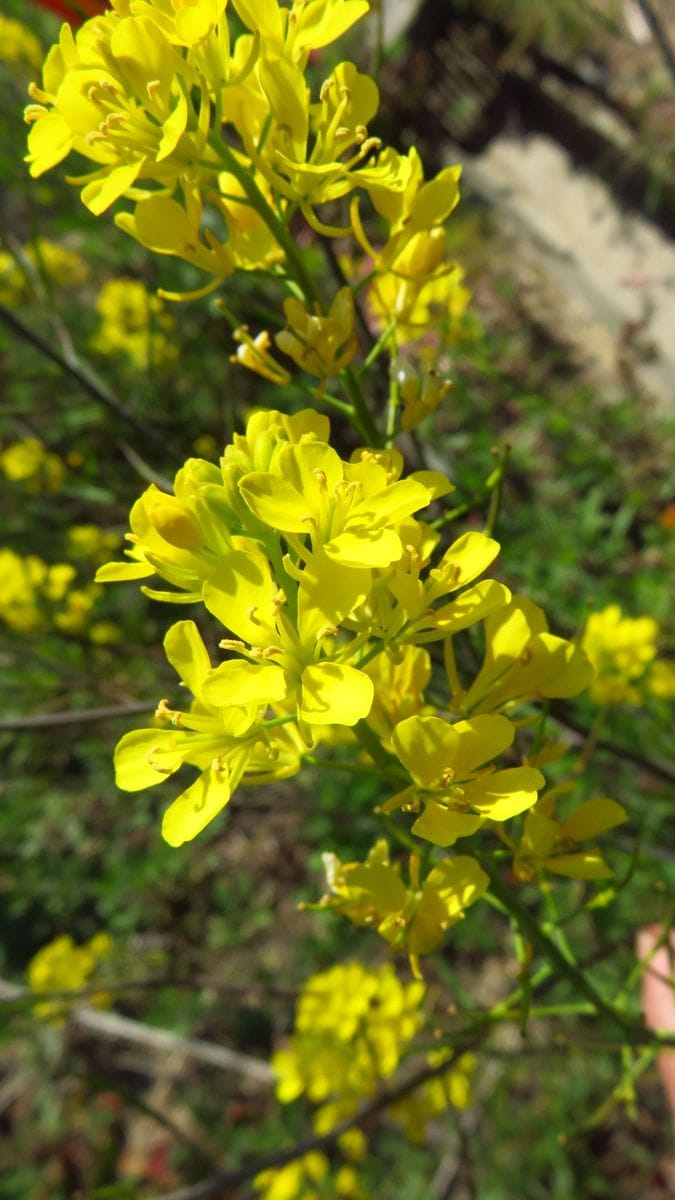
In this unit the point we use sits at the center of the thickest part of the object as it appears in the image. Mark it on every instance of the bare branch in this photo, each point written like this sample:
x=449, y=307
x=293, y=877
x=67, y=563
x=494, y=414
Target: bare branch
x=74, y=716
x=112, y=1025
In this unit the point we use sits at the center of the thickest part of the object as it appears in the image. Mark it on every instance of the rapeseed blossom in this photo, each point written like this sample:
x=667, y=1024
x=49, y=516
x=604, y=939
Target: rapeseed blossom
x=452, y=1089
x=353, y=1026
x=134, y=323
x=91, y=543
x=620, y=649
x=523, y=661
x=61, y=966
x=411, y=918
x=297, y=553
x=203, y=128
x=321, y=345
x=42, y=259
x=447, y=765
x=36, y=595
x=18, y=45
x=660, y=681
x=550, y=843
x=29, y=463
x=322, y=578
x=310, y=1178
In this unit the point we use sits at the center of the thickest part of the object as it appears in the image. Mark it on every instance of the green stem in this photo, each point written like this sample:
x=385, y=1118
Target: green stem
x=267, y=214
x=355, y=392
x=332, y=764
x=494, y=484
x=348, y=411
x=373, y=746
x=546, y=946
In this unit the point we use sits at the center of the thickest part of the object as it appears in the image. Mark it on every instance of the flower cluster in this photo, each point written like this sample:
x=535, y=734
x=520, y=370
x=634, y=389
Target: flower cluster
x=36, y=595
x=621, y=650
x=19, y=47
x=91, y=543
x=146, y=92
x=200, y=114
x=309, y=1178
x=353, y=1026
x=61, y=966
x=413, y=918
x=42, y=259
x=133, y=323
x=30, y=464
x=328, y=589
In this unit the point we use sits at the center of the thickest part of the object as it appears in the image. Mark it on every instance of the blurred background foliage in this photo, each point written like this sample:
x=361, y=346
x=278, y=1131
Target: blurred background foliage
x=104, y=391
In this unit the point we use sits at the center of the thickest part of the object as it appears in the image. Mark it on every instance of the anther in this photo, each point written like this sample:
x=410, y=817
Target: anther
x=326, y=631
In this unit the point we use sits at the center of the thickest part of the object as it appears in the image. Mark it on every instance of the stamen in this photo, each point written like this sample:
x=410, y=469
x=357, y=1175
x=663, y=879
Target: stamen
x=326, y=631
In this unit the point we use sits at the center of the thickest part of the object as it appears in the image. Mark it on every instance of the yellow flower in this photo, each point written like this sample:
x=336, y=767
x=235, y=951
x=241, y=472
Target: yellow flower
x=350, y=511
x=299, y=1180
x=423, y=294
x=406, y=600
x=78, y=603
x=61, y=966
x=550, y=843
x=62, y=265
x=420, y=394
x=133, y=322
x=522, y=661
x=222, y=735
x=321, y=345
x=40, y=259
x=29, y=463
x=91, y=542
x=253, y=352
x=413, y=919
x=348, y=101
x=444, y=761
x=660, y=681
x=168, y=227
x=118, y=93
x=400, y=683
x=308, y=24
x=437, y=1095
x=352, y=1026
x=620, y=648
x=18, y=45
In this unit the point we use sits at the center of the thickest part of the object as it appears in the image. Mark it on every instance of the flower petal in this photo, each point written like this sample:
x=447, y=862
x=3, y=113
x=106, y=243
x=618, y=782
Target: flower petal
x=196, y=806
x=505, y=793
x=333, y=694
x=442, y=826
